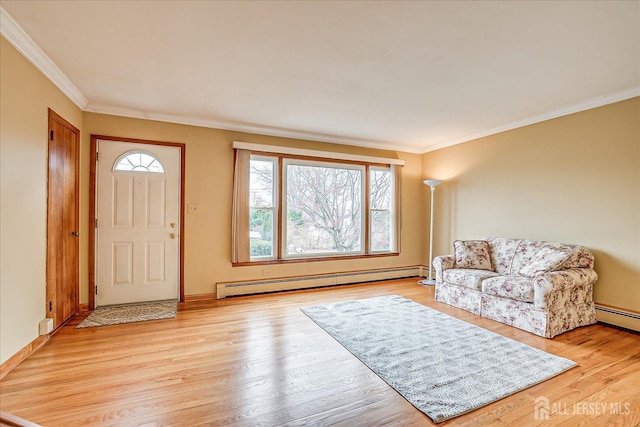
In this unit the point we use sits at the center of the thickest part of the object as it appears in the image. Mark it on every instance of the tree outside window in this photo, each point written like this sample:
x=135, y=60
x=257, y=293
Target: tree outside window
x=324, y=209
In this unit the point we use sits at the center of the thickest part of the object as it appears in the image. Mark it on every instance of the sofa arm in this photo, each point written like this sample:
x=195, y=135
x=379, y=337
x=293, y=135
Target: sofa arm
x=442, y=263
x=556, y=289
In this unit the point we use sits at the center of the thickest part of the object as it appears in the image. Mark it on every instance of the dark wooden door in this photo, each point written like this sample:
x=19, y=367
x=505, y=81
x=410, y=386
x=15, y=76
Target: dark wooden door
x=62, y=220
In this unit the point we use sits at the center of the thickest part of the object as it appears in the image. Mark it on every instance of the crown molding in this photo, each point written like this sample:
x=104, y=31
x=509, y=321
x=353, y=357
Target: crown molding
x=15, y=35
x=247, y=128
x=320, y=137
x=575, y=108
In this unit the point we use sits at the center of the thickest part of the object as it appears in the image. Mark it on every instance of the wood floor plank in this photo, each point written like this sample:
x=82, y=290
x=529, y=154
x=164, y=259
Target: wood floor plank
x=258, y=360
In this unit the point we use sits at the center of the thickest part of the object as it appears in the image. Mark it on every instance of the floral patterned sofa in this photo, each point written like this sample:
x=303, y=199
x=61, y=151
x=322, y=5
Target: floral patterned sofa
x=542, y=287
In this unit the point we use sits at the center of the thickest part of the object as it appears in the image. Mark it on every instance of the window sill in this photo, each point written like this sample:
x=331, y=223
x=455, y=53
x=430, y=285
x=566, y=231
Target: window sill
x=326, y=258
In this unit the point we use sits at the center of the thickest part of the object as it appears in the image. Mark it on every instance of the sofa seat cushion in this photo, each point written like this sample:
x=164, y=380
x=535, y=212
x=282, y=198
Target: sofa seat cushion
x=512, y=287
x=467, y=277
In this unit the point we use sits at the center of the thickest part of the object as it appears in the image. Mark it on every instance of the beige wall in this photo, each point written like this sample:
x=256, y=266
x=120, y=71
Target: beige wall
x=209, y=180
x=26, y=95
x=574, y=179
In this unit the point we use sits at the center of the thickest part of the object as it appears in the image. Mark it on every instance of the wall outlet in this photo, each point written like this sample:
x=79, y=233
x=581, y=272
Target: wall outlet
x=267, y=272
x=46, y=326
x=193, y=208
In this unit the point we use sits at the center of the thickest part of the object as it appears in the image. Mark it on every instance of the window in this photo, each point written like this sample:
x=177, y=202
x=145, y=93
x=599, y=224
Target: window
x=291, y=207
x=262, y=207
x=381, y=216
x=138, y=161
x=323, y=206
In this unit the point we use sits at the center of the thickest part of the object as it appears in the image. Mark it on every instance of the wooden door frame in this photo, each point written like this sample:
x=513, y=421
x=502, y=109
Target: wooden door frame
x=93, y=201
x=50, y=292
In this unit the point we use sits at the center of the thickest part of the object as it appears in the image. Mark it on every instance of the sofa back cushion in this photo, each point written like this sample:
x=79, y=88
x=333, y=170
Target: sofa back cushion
x=514, y=256
x=474, y=254
x=534, y=257
x=545, y=260
x=502, y=253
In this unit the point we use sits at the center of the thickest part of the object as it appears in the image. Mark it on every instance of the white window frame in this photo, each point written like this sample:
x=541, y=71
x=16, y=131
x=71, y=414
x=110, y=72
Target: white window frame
x=126, y=155
x=274, y=208
x=392, y=212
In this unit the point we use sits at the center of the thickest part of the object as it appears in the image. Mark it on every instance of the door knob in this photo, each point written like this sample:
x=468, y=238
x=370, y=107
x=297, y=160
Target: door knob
x=172, y=225
x=75, y=234
x=172, y=235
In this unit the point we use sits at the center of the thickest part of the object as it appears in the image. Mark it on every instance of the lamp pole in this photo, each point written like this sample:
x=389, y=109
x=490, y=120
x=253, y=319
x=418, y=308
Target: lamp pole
x=433, y=183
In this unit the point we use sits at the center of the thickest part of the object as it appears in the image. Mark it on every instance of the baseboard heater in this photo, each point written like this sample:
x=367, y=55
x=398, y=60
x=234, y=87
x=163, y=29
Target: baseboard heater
x=618, y=317
x=228, y=289
x=618, y=312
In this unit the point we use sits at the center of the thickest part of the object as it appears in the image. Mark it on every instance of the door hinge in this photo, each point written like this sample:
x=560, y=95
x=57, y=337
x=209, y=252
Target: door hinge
x=51, y=136
x=96, y=289
x=50, y=305
x=97, y=155
x=95, y=225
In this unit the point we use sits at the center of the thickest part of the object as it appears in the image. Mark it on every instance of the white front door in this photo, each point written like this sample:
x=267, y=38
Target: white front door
x=138, y=209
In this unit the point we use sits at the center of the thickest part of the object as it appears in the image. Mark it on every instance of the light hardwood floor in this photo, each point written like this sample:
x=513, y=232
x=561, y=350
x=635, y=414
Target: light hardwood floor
x=258, y=361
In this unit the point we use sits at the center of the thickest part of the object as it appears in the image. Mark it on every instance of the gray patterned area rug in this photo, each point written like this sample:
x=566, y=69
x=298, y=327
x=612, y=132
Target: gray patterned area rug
x=128, y=313
x=443, y=366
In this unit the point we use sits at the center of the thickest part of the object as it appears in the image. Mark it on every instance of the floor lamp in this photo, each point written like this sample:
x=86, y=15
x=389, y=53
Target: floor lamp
x=430, y=281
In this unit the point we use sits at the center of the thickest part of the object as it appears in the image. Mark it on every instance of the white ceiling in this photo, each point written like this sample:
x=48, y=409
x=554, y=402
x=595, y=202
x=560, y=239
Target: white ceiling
x=410, y=76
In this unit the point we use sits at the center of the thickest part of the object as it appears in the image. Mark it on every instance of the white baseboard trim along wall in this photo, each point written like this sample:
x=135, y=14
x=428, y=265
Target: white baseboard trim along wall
x=227, y=289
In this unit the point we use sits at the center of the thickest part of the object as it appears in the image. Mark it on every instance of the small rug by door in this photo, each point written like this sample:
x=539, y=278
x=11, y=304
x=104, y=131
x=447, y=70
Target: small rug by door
x=128, y=313
x=443, y=366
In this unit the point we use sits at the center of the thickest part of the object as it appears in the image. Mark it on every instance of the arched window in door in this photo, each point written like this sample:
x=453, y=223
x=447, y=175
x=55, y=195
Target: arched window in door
x=138, y=161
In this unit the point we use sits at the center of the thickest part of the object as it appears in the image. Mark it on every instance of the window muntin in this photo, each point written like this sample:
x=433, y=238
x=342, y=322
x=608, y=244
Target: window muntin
x=138, y=161
x=262, y=207
x=323, y=209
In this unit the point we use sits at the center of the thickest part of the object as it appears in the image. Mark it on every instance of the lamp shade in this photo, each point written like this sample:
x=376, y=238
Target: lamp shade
x=432, y=182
